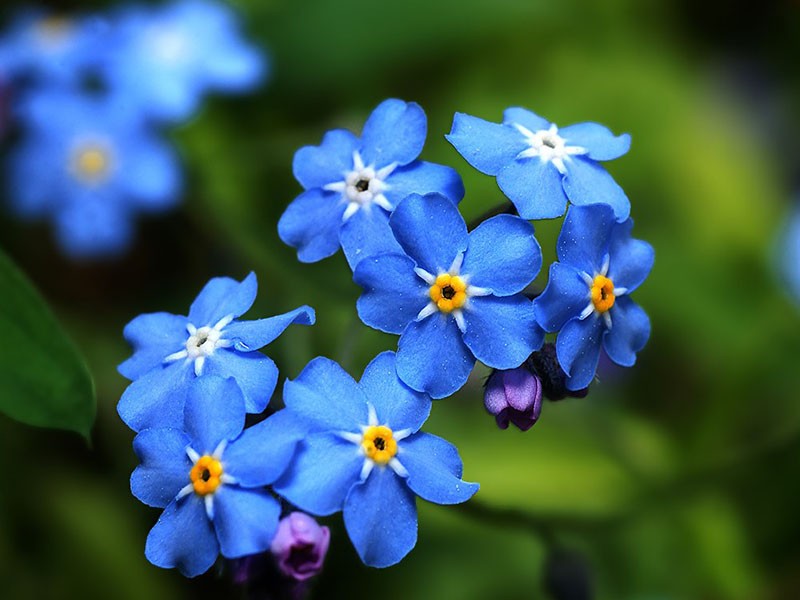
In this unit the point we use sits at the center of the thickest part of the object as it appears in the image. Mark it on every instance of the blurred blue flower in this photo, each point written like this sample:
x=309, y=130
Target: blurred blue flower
x=172, y=350
x=790, y=254
x=209, y=476
x=364, y=455
x=587, y=296
x=165, y=58
x=453, y=296
x=540, y=167
x=89, y=164
x=352, y=185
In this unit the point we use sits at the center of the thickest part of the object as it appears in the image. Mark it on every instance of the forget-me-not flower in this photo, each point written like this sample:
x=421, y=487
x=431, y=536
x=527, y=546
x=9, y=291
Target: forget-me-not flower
x=171, y=350
x=364, y=455
x=209, y=476
x=540, y=167
x=587, y=296
x=353, y=184
x=453, y=296
x=89, y=164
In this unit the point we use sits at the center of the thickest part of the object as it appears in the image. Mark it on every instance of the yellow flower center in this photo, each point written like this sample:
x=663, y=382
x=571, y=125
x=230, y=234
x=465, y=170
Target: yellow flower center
x=379, y=444
x=54, y=29
x=448, y=292
x=205, y=475
x=602, y=293
x=91, y=163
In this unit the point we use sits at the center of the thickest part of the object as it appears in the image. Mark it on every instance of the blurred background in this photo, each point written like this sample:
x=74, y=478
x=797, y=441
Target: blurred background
x=676, y=479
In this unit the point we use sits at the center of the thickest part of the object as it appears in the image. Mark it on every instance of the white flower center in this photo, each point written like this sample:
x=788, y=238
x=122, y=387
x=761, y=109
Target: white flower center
x=167, y=44
x=548, y=146
x=202, y=343
x=363, y=186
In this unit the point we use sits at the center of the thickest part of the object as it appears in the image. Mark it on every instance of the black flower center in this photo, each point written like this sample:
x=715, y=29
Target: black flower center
x=362, y=185
x=548, y=142
x=448, y=292
x=379, y=443
x=206, y=475
x=201, y=340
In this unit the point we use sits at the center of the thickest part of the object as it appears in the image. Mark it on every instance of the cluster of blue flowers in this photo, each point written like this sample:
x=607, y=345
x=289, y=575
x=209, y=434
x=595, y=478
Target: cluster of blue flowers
x=89, y=96
x=453, y=296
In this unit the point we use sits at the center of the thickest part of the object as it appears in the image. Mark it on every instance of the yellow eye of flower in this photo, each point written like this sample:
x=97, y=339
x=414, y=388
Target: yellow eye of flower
x=205, y=475
x=379, y=444
x=602, y=293
x=448, y=292
x=91, y=163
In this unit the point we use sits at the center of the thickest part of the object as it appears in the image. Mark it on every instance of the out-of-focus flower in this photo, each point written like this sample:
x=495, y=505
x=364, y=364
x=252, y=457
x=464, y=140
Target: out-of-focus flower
x=790, y=254
x=90, y=165
x=353, y=184
x=165, y=59
x=364, y=455
x=209, y=476
x=171, y=350
x=540, y=167
x=587, y=296
x=300, y=546
x=514, y=396
x=453, y=296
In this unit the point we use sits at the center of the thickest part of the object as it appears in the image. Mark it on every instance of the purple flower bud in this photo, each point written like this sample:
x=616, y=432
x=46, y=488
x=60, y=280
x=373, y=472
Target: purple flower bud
x=514, y=396
x=300, y=546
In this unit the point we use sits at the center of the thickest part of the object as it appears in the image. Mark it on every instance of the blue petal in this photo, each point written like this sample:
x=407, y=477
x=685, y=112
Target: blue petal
x=152, y=175
x=586, y=182
x=317, y=166
x=238, y=68
x=534, y=187
x=322, y=473
x=93, y=225
x=394, y=133
x=183, y=538
x=503, y=255
x=565, y=297
x=434, y=469
x=311, y=224
x=245, y=520
x=422, y=178
x=486, y=146
x=430, y=230
x=502, y=332
x=393, y=293
x=578, y=350
x=214, y=412
x=165, y=465
x=630, y=330
x=432, y=357
x=154, y=336
x=326, y=395
x=222, y=297
x=255, y=374
x=526, y=118
x=157, y=398
x=252, y=335
x=380, y=516
x=630, y=260
x=584, y=237
x=366, y=234
x=396, y=405
x=261, y=454
x=597, y=139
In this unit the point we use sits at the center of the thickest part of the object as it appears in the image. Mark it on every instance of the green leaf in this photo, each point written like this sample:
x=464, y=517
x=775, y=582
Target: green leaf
x=43, y=379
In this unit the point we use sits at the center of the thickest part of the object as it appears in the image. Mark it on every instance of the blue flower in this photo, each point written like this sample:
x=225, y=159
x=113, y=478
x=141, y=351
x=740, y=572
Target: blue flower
x=209, y=475
x=352, y=185
x=166, y=58
x=540, y=167
x=790, y=254
x=364, y=455
x=171, y=350
x=587, y=296
x=453, y=296
x=89, y=164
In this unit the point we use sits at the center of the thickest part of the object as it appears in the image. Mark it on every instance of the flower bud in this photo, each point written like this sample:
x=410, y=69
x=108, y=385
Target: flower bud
x=514, y=396
x=544, y=363
x=300, y=546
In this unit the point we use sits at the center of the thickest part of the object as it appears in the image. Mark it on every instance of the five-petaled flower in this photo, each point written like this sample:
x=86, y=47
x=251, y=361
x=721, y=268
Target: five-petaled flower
x=453, y=296
x=171, y=350
x=364, y=455
x=352, y=185
x=538, y=166
x=587, y=296
x=209, y=476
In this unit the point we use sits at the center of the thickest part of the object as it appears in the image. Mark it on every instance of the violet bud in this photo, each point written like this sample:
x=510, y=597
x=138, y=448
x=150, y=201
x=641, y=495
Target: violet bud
x=514, y=396
x=300, y=546
x=544, y=363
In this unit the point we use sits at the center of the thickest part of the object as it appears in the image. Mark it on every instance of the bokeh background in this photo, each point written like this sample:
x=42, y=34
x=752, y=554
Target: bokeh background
x=676, y=479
